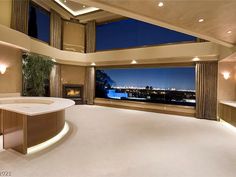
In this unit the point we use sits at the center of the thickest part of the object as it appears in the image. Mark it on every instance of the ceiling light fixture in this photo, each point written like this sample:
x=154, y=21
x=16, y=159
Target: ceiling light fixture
x=196, y=59
x=229, y=32
x=201, y=20
x=84, y=6
x=133, y=62
x=64, y=1
x=93, y=64
x=78, y=12
x=160, y=4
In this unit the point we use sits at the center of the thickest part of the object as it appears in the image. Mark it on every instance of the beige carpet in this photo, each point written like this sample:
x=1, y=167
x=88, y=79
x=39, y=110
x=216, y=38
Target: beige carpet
x=108, y=142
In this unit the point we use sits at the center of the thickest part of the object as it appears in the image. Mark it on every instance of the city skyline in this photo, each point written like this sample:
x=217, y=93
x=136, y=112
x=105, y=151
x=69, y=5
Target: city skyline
x=180, y=78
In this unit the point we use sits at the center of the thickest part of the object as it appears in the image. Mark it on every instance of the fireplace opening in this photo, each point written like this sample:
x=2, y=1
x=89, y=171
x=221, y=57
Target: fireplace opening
x=74, y=92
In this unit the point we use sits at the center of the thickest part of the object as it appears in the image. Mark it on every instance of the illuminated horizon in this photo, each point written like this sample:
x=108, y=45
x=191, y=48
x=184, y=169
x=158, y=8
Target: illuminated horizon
x=180, y=78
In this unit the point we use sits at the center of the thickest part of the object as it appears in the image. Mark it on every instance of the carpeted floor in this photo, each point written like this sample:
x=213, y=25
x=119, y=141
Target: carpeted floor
x=109, y=142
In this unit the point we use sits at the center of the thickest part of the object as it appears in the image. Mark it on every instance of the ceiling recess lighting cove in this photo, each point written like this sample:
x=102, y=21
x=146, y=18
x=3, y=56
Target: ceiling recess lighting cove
x=78, y=12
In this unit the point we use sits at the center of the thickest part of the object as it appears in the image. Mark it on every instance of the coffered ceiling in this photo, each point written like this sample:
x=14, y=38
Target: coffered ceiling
x=94, y=14
x=74, y=8
x=85, y=13
x=73, y=5
x=213, y=20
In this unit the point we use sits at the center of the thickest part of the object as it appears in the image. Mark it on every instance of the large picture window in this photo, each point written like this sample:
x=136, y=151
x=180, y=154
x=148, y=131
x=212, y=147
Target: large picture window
x=169, y=85
x=130, y=33
x=39, y=23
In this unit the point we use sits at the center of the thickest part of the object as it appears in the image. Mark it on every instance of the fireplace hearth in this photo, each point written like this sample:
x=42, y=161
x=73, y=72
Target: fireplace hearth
x=74, y=92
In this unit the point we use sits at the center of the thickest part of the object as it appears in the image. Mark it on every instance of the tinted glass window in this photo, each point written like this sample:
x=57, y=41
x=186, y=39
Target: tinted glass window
x=132, y=33
x=39, y=23
x=172, y=85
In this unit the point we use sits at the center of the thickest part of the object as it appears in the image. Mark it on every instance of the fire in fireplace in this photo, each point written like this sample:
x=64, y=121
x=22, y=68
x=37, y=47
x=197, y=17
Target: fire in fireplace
x=74, y=92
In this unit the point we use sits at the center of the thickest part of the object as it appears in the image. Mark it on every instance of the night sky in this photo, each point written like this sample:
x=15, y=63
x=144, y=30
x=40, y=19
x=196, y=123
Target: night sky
x=39, y=25
x=179, y=78
x=43, y=24
x=133, y=33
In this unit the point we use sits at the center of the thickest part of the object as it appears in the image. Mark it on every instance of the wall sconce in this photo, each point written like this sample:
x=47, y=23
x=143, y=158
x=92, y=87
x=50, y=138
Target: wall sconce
x=226, y=75
x=3, y=69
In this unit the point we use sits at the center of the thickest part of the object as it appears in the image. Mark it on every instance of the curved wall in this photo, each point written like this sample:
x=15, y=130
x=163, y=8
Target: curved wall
x=148, y=55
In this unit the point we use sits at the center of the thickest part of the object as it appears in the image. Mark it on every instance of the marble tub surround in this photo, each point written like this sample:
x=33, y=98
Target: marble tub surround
x=229, y=103
x=10, y=95
x=32, y=106
x=227, y=111
x=29, y=121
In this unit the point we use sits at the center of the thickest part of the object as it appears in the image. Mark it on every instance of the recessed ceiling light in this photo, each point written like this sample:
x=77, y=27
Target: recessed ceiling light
x=93, y=64
x=133, y=62
x=84, y=6
x=64, y=1
x=196, y=59
x=229, y=32
x=201, y=20
x=160, y=4
x=53, y=59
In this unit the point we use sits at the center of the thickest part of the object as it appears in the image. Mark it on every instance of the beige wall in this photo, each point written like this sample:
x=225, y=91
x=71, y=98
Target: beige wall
x=11, y=81
x=227, y=88
x=72, y=74
x=146, y=55
x=73, y=37
x=5, y=12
